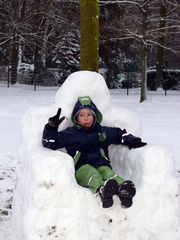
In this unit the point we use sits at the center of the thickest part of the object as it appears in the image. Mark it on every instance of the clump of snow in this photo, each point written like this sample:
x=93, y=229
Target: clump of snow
x=49, y=204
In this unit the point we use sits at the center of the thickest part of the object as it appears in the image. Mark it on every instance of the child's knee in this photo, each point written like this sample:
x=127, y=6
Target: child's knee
x=88, y=176
x=106, y=172
x=95, y=180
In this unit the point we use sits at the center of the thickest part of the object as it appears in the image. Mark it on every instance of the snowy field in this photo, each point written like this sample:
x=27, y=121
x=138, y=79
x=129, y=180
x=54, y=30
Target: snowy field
x=160, y=117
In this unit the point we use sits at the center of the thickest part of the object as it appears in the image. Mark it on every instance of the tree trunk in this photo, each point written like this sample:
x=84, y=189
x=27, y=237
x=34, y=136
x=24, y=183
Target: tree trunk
x=14, y=60
x=89, y=28
x=143, y=96
x=160, y=49
x=144, y=75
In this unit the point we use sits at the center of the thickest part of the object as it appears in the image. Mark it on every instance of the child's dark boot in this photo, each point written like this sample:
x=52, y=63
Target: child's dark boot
x=126, y=193
x=107, y=192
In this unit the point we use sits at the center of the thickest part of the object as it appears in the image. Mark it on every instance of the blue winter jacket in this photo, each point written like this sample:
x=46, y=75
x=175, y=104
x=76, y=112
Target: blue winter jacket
x=85, y=146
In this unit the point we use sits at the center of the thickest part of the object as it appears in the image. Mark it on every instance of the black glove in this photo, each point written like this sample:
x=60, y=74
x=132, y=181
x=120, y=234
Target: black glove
x=55, y=120
x=132, y=141
x=136, y=144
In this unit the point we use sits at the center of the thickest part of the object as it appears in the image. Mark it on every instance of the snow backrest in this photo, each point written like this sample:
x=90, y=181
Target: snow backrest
x=82, y=83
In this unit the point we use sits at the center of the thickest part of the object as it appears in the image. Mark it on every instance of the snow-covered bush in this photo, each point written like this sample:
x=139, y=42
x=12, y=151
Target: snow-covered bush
x=170, y=79
x=47, y=77
x=127, y=80
x=25, y=73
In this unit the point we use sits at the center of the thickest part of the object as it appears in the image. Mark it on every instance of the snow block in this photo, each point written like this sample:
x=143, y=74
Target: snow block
x=49, y=204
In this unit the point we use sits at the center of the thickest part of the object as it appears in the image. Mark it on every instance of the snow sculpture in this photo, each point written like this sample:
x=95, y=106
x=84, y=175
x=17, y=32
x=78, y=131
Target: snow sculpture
x=49, y=204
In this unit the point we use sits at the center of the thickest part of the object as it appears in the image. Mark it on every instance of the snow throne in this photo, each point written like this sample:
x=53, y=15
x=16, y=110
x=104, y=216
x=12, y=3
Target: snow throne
x=49, y=204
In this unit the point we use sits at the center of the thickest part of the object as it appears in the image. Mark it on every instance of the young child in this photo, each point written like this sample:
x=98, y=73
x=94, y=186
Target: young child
x=87, y=142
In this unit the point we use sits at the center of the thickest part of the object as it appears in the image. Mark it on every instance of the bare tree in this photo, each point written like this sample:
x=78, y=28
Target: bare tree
x=14, y=14
x=161, y=43
x=14, y=43
x=149, y=25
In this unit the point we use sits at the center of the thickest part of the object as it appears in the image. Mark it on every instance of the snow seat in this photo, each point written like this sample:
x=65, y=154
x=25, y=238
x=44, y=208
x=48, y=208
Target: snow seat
x=49, y=204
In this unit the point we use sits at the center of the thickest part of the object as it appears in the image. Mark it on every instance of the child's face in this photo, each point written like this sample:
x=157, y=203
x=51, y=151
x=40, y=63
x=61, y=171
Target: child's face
x=85, y=118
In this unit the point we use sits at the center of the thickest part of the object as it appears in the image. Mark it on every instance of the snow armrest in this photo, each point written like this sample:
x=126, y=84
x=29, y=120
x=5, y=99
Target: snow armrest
x=148, y=167
x=46, y=168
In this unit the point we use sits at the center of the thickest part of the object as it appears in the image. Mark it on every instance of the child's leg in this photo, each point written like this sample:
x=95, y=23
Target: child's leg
x=88, y=176
x=106, y=173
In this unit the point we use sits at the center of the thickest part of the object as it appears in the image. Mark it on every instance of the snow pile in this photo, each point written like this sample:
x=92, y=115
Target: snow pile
x=49, y=204
x=7, y=178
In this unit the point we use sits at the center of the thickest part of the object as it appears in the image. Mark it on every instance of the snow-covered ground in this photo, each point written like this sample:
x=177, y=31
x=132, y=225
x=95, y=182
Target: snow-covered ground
x=160, y=117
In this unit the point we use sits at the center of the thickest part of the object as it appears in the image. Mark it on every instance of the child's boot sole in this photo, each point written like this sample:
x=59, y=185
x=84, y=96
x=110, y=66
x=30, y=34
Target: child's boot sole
x=107, y=192
x=126, y=193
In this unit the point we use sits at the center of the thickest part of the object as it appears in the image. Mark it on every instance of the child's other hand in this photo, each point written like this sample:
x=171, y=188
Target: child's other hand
x=55, y=121
x=136, y=144
x=132, y=141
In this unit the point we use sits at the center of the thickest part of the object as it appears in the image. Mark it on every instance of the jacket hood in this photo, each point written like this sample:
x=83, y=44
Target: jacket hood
x=82, y=103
